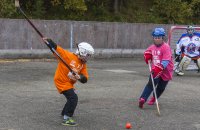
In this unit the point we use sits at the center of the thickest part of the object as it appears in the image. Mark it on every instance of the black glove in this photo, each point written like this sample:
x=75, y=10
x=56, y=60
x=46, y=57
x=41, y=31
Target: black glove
x=51, y=44
x=83, y=79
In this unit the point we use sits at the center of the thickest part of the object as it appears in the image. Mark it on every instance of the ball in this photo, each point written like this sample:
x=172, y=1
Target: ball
x=128, y=125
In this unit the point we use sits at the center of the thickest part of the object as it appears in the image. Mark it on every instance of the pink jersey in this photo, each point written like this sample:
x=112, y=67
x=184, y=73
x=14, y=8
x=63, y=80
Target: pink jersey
x=159, y=54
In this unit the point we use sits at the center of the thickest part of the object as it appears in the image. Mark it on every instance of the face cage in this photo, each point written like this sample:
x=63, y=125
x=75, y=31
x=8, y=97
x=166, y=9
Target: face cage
x=190, y=31
x=85, y=58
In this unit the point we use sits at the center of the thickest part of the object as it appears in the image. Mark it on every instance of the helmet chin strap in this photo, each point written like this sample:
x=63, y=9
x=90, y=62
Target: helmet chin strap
x=81, y=58
x=158, y=44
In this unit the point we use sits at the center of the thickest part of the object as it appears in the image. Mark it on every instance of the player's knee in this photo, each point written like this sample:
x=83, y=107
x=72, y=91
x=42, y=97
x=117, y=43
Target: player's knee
x=75, y=98
x=184, y=63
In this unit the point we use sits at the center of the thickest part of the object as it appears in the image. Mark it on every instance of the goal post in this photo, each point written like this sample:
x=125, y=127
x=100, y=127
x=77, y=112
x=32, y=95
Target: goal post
x=174, y=35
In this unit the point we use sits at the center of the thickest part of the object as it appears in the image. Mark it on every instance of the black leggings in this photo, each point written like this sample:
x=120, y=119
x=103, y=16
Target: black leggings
x=72, y=100
x=161, y=85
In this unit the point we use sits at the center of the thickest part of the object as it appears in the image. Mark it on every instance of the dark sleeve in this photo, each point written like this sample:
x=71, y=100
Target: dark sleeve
x=83, y=79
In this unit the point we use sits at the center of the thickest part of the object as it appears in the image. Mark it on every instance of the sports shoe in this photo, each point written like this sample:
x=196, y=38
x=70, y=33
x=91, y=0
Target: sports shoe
x=141, y=102
x=69, y=122
x=151, y=101
x=178, y=72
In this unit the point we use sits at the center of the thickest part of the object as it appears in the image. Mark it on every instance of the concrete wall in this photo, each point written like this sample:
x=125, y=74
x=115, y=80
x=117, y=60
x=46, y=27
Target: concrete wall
x=18, y=34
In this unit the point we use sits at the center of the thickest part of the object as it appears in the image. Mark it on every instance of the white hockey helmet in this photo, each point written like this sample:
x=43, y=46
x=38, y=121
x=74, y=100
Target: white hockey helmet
x=84, y=50
x=190, y=30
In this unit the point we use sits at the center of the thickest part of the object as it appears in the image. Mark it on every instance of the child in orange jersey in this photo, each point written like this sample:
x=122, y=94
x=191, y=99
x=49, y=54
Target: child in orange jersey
x=65, y=80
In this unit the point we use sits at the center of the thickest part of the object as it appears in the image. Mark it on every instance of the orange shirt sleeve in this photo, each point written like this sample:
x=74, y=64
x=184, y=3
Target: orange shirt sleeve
x=62, y=52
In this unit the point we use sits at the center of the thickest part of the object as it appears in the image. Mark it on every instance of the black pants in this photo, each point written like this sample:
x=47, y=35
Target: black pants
x=72, y=100
x=161, y=85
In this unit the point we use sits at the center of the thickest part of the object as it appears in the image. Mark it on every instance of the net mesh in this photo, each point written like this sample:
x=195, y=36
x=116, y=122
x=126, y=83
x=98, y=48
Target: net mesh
x=174, y=34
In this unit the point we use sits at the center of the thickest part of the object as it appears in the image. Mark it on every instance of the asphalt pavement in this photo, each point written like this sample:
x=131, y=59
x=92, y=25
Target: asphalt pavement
x=30, y=101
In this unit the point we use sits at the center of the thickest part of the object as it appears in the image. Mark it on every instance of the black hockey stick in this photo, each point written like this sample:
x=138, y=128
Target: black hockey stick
x=45, y=41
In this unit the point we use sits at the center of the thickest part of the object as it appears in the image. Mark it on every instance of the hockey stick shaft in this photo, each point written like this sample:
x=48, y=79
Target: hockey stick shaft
x=38, y=32
x=154, y=88
x=46, y=42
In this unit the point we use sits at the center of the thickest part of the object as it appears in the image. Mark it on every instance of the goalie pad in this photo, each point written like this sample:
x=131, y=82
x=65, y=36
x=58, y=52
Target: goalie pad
x=185, y=61
x=198, y=63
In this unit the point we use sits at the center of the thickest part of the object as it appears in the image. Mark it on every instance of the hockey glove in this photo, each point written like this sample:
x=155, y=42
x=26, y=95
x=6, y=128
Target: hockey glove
x=83, y=79
x=51, y=44
x=73, y=77
x=157, y=71
x=147, y=56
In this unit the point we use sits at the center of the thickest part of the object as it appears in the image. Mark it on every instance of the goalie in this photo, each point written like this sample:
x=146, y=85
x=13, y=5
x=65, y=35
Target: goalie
x=187, y=49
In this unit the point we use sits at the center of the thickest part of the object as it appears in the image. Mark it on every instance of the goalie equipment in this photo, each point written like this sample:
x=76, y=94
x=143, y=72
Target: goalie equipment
x=177, y=57
x=84, y=50
x=198, y=63
x=178, y=72
x=190, y=30
x=184, y=63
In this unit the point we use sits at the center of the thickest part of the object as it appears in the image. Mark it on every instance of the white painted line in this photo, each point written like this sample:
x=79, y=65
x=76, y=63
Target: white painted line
x=120, y=71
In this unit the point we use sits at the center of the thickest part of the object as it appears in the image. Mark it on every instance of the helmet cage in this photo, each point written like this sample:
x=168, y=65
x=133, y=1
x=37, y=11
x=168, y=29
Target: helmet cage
x=190, y=30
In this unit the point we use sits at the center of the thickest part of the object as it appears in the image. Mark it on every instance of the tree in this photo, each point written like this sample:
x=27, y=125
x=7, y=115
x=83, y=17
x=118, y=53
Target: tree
x=39, y=8
x=196, y=9
x=7, y=8
x=77, y=5
x=171, y=11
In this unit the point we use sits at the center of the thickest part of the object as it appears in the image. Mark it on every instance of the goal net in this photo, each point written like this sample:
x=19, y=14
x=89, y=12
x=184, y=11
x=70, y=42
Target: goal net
x=174, y=34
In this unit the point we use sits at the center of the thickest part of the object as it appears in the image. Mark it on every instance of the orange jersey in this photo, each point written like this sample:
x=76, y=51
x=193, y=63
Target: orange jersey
x=61, y=79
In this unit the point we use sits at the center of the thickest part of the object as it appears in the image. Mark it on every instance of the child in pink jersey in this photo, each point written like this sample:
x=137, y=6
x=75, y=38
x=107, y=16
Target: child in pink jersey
x=160, y=56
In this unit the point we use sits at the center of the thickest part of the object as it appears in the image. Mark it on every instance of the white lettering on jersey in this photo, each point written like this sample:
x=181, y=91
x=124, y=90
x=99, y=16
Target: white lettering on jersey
x=156, y=54
x=75, y=66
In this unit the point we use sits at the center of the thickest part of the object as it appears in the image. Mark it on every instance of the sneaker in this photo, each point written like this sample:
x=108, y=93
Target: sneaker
x=69, y=122
x=178, y=72
x=152, y=101
x=141, y=102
